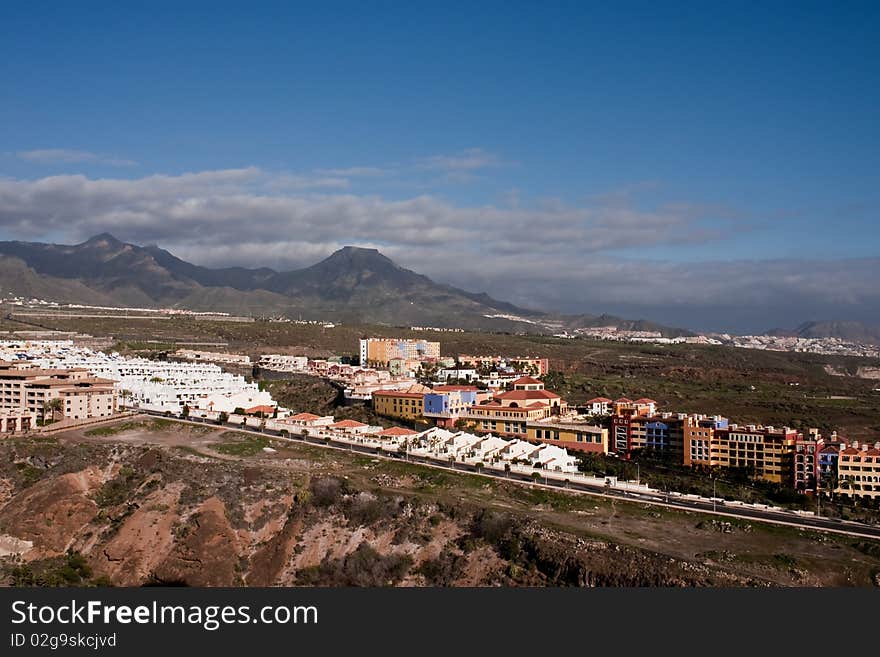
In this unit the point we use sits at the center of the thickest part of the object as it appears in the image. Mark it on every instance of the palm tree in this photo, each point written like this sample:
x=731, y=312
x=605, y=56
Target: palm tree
x=125, y=394
x=54, y=405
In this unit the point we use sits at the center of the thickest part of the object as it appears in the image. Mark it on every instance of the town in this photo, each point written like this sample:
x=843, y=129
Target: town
x=476, y=408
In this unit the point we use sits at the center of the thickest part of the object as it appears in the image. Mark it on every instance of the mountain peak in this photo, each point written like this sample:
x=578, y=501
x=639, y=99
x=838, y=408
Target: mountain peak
x=101, y=239
x=357, y=249
x=358, y=256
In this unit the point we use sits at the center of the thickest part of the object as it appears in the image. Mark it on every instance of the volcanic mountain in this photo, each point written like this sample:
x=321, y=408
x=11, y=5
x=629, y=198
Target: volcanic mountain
x=351, y=285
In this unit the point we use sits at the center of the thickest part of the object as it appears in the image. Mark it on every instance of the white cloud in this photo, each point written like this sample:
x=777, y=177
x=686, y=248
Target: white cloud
x=69, y=156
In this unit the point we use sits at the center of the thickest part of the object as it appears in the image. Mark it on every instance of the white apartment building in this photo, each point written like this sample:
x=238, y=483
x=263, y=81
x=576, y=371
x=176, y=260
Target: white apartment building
x=155, y=384
x=282, y=363
x=214, y=357
x=463, y=446
x=445, y=375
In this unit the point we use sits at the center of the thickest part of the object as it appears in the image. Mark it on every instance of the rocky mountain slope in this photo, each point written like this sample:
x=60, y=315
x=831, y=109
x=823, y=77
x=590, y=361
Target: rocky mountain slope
x=351, y=285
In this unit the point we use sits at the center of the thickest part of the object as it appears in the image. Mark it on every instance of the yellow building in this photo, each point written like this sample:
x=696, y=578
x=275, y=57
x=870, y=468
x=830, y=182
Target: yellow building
x=766, y=451
x=573, y=435
x=406, y=404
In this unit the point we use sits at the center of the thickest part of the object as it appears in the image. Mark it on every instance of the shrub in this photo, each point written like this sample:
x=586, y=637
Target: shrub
x=325, y=491
x=363, y=567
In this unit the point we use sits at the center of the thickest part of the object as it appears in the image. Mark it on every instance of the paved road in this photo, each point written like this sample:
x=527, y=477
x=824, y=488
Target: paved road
x=746, y=513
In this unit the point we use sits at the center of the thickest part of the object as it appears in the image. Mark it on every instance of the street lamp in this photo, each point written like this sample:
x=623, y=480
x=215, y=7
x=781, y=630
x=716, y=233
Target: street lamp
x=713, y=495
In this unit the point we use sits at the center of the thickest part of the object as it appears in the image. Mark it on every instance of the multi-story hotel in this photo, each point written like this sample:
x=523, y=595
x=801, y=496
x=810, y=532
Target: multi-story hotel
x=381, y=351
x=766, y=451
x=858, y=470
x=698, y=435
x=82, y=395
x=660, y=432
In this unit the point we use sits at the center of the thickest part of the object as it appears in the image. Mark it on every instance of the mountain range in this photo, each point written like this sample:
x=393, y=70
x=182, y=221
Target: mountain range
x=849, y=331
x=353, y=284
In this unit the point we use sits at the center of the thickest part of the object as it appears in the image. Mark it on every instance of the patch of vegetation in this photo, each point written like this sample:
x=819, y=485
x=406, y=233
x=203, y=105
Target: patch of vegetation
x=444, y=570
x=245, y=445
x=153, y=424
x=28, y=474
x=71, y=570
x=117, y=490
x=194, y=452
x=363, y=567
x=364, y=509
x=872, y=549
x=784, y=560
x=326, y=491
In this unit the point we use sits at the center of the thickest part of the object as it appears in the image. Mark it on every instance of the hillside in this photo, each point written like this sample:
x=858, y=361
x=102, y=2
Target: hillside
x=849, y=331
x=351, y=285
x=151, y=502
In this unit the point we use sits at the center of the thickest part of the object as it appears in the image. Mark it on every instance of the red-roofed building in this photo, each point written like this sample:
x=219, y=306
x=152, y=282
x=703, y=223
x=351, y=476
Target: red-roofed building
x=305, y=420
x=262, y=410
x=527, y=383
x=396, y=432
x=626, y=407
x=509, y=412
x=351, y=426
x=347, y=424
x=599, y=406
x=304, y=417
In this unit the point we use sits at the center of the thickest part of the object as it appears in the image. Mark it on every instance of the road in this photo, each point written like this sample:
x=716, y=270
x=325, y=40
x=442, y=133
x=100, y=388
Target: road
x=788, y=518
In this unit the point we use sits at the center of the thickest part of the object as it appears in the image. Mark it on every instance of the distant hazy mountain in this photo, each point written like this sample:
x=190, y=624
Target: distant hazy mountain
x=850, y=331
x=351, y=285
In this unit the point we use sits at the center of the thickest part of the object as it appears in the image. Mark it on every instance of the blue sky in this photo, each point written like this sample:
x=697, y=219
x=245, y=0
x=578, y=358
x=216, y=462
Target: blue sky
x=735, y=133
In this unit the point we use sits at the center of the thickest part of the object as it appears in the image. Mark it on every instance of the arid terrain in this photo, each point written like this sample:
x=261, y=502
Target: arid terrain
x=154, y=502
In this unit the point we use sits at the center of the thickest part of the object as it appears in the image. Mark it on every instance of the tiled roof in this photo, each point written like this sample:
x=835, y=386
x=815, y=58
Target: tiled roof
x=397, y=431
x=305, y=416
x=517, y=395
x=347, y=424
